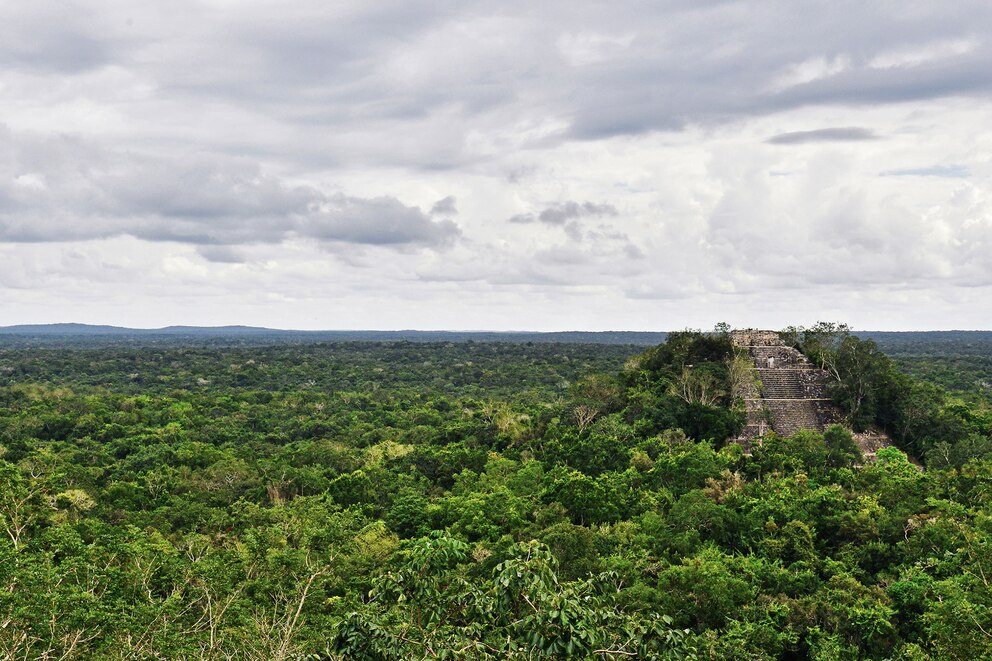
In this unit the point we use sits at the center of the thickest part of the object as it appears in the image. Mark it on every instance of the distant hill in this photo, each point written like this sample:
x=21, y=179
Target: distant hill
x=89, y=329
x=931, y=343
x=70, y=333
x=61, y=329
x=895, y=343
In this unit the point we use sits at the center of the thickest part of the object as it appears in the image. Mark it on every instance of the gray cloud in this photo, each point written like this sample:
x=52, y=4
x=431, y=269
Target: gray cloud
x=559, y=213
x=840, y=134
x=446, y=206
x=222, y=254
x=410, y=83
x=53, y=38
x=562, y=212
x=64, y=53
x=59, y=190
x=378, y=221
x=781, y=56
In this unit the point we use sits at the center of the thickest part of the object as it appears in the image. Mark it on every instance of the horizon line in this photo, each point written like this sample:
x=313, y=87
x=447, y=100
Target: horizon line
x=436, y=330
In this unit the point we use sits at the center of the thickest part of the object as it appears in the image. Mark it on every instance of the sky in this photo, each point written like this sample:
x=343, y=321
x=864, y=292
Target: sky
x=384, y=164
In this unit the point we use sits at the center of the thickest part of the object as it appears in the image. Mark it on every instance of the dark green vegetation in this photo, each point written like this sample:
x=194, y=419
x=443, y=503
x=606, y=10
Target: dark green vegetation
x=512, y=371
x=921, y=417
x=961, y=361
x=469, y=501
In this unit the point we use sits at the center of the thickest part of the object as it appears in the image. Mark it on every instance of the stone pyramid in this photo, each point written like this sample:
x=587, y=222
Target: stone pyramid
x=788, y=393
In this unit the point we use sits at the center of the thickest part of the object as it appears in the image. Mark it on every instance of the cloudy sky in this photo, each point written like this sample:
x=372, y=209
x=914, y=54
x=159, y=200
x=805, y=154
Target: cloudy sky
x=482, y=165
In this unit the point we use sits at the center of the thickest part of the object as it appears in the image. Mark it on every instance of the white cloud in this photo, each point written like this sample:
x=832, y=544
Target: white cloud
x=917, y=55
x=584, y=48
x=807, y=71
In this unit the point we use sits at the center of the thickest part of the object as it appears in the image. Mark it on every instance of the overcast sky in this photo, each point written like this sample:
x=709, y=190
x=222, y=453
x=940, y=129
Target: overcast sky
x=480, y=165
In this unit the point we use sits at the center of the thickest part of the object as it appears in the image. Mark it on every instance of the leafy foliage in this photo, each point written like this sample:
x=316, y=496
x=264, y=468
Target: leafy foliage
x=924, y=419
x=376, y=501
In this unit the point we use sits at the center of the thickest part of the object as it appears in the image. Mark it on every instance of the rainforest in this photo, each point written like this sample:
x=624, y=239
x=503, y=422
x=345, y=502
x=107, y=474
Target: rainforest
x=488, y=499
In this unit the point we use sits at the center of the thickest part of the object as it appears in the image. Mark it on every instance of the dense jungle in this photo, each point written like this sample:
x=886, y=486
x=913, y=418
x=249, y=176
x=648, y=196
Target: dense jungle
x=382, y=500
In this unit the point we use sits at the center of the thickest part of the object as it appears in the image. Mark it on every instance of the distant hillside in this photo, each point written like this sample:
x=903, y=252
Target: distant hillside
x=931, y=343
x=61, y=329
x=68, y=334
x=89, y=329
x=909, y=343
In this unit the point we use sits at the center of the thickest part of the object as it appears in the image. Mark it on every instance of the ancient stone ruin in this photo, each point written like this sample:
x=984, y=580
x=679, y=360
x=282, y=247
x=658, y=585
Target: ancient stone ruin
x=786, y=393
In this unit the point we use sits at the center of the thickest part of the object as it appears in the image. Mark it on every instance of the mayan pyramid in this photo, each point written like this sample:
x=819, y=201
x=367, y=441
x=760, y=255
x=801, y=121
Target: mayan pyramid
x=788, y=393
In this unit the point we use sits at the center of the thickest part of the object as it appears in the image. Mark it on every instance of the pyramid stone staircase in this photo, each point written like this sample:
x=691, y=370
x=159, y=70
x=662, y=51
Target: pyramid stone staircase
x=788, y=393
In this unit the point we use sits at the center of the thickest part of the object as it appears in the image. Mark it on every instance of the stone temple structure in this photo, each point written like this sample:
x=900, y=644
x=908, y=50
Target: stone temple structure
x=788, y=393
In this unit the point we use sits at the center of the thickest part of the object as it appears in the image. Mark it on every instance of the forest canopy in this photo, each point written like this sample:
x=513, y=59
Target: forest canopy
x=372, y=500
